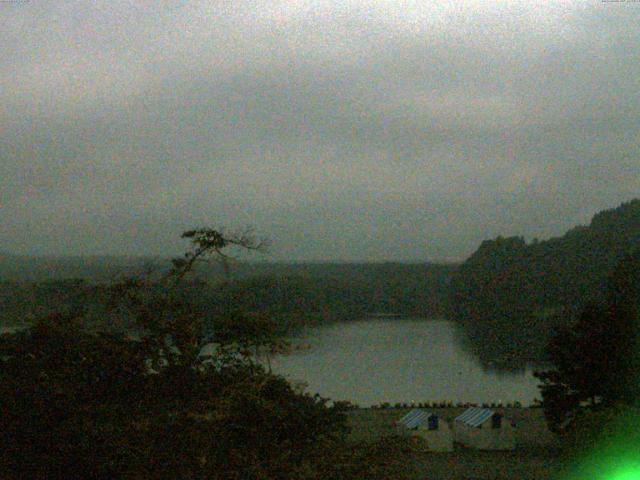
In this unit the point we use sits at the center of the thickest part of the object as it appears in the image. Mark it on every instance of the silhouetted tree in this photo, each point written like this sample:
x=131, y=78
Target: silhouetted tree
x=597, y=359
x=79, y=403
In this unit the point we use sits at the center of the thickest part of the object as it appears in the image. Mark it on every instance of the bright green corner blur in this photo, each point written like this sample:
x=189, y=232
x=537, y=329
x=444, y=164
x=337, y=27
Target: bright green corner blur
x=628, y=472
x=606, y=445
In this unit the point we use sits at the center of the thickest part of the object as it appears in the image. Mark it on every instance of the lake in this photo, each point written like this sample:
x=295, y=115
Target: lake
x=398, y=360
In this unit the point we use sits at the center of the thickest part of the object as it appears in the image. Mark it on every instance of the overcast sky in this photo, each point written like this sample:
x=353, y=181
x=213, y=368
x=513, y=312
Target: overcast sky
x=341, y=130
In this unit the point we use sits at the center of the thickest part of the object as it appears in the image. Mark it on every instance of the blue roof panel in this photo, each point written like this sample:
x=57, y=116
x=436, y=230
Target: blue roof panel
x=415, y=418
x=475, y=416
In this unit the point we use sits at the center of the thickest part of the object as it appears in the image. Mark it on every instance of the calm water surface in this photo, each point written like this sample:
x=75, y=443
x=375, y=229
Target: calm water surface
x=398, y=360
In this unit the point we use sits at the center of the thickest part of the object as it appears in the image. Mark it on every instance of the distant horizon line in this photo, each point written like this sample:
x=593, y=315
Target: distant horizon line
x=168, y=257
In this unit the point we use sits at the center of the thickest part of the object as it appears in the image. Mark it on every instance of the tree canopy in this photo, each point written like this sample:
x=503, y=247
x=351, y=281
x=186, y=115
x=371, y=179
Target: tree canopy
x=597, y=358
x=510, y=295
x=81, y=400
x=85, y=403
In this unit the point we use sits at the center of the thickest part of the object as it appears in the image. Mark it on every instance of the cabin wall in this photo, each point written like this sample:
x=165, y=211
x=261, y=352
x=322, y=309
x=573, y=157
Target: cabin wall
x=485, y=437
x=440, y=440
x=465, y=435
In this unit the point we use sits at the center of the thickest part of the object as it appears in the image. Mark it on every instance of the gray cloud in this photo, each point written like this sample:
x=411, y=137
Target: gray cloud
x=343, y=130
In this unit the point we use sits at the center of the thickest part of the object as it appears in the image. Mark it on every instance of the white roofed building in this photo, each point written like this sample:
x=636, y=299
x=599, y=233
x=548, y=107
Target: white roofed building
x=432, y=429
x=484, y=429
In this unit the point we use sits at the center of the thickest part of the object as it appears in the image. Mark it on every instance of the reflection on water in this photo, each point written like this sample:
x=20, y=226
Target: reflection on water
x=396, y=360
x=399, y=360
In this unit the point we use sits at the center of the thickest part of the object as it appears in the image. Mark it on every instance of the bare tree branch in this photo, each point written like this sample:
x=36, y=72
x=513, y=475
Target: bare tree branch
x=208, y=242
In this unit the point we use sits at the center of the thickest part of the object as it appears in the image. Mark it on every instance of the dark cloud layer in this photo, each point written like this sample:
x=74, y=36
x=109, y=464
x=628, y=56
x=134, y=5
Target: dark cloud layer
x=357, y=130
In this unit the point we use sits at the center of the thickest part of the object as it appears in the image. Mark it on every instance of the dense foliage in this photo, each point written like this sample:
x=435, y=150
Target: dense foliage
x=177, y=394
x=510, y=295
x=597, y=359
x=82, y=405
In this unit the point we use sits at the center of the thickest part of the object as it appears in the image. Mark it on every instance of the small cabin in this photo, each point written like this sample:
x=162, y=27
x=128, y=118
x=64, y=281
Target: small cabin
x=484, y=429
x=429, y=427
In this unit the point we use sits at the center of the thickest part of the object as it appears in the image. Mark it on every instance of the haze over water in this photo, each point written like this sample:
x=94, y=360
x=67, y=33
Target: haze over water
x=399, y=360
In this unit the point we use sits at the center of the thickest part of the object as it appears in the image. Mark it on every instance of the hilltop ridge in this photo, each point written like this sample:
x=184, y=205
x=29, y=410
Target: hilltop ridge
x=512, y=294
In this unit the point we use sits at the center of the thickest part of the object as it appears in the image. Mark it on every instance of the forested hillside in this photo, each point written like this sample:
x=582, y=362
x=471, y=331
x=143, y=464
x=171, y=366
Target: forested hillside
x=95, y=268
x=294, y=294
x=510, y=295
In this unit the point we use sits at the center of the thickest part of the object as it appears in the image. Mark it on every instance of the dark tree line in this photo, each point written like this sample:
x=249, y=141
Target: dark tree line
x=510, y=295
x=293, y=295
x=596, y=359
